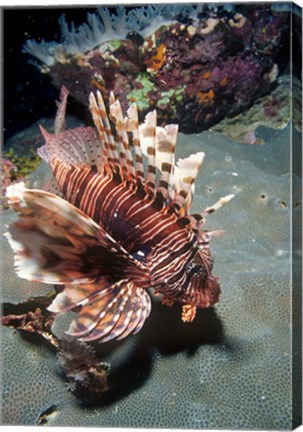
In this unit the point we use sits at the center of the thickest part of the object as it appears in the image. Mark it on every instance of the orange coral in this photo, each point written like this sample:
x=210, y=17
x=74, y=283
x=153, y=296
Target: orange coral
x=206, y=97
x=157, y=60
x=224, y=82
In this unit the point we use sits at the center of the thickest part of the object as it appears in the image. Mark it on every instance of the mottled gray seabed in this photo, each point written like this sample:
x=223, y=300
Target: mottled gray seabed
x=230, y=368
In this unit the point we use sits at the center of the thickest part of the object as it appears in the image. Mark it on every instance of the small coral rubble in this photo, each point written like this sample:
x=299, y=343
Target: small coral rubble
x=86, y=375
x=32, y=321
x=204, y=64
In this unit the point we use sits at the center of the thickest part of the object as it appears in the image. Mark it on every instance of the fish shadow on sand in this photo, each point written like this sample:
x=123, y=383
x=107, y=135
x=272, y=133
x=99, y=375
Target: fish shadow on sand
x=163, y=333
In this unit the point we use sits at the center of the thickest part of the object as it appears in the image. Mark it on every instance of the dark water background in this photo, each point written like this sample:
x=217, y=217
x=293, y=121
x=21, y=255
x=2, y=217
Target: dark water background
x=28, y=94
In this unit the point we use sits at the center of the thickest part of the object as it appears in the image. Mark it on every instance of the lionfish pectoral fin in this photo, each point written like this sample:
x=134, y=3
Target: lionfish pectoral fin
x=76, y=295
x=113, y=313
x=56, y=243
x=188, y=313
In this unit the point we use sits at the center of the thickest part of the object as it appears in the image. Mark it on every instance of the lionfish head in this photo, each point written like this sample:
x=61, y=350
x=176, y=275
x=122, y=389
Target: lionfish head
x=192, y=282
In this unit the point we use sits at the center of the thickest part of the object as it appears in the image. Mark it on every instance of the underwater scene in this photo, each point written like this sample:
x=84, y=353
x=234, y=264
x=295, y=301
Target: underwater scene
x=151, y=216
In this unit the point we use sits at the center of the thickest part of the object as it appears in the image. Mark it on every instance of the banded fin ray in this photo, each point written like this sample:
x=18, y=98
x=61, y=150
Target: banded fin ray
x=114, y=313
x=132, y=126
x=56, y=243
x=166, y=139
x=147, y=132
x=185, y=173
x=76, y=295
x=125, y=155
x=103, y=126
x=80, y=146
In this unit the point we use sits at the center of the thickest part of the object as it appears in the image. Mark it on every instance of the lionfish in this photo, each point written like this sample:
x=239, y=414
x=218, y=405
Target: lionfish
x=109, y=228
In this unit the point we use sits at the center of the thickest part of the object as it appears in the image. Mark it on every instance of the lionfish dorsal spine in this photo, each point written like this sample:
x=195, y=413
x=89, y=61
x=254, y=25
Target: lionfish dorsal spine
x=166, y=139
x=125, y=154
x=147, y=132
x=186, y=171
x=61, y=111
x=110, y=154
x=132, y=126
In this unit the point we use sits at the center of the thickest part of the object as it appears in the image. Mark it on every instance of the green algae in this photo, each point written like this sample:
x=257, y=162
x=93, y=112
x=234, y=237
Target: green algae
x=140, y=93
x=25, y=164
x=169, y=96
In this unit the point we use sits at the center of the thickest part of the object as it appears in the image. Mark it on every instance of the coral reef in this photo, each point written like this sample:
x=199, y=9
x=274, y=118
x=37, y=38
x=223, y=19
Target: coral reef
x=233, y=367
x=7, y=175
x=273, y=111
x=198, y=63
x=14, y=169
x=23, y=165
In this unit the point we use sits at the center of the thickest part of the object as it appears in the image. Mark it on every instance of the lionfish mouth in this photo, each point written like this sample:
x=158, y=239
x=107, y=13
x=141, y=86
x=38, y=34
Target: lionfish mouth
x=107, y=231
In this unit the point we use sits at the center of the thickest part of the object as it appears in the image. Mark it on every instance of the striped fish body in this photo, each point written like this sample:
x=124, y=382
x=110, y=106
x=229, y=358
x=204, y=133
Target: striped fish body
x=112, y=231
x=151, y=233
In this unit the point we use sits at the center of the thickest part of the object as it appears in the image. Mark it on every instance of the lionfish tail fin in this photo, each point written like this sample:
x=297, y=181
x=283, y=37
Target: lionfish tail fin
x=112, y=313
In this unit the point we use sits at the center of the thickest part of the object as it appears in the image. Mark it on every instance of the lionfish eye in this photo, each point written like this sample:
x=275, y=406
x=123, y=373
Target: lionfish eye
x=141, y=253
